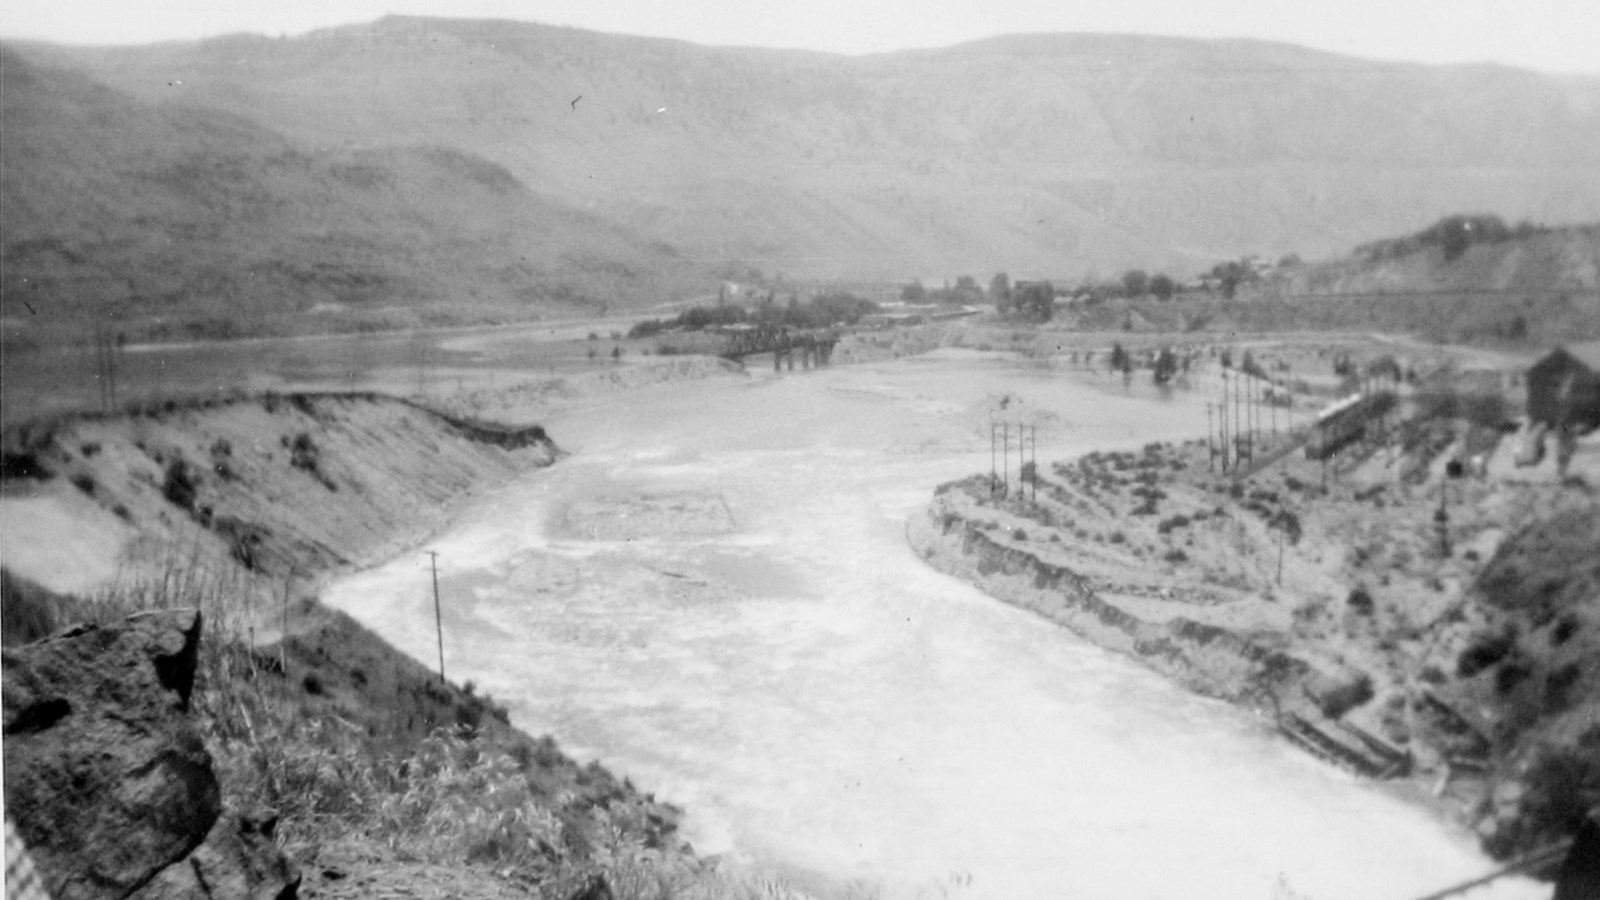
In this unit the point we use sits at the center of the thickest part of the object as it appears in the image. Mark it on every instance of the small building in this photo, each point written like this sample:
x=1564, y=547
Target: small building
x=1564, y=387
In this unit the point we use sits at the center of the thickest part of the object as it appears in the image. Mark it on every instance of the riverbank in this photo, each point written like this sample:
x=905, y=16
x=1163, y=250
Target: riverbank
x=1331, y=609
x=243, y=508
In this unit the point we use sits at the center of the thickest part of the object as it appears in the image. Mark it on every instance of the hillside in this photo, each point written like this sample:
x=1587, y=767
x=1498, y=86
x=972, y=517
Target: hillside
x=1534, y=261
x=1522, y=287
x=1037, y=155
x=180, y=221
x=427, y=170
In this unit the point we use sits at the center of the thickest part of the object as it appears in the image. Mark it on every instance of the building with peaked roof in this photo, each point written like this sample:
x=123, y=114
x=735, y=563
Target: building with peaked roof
x=1564, y=387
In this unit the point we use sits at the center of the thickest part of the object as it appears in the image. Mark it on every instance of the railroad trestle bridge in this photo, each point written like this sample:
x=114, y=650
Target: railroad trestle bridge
x=814, y=347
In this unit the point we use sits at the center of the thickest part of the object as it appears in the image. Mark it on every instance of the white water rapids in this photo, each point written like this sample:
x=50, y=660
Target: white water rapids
x=713, y=595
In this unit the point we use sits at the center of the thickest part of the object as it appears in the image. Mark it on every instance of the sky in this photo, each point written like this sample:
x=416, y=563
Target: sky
x=1561, y=36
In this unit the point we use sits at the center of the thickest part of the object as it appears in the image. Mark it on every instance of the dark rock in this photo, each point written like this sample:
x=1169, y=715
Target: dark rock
x=595, y=888
x=237, y=860
x=106, y=778
x=1579, y=877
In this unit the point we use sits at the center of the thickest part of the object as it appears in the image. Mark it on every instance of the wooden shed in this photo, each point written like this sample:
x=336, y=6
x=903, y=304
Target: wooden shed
x=1565, y=385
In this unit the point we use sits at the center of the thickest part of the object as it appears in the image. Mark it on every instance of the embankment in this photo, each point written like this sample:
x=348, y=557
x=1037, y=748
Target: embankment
x=1208, y=659
x=302, y=483
x=1456, y=651
x=388, y=779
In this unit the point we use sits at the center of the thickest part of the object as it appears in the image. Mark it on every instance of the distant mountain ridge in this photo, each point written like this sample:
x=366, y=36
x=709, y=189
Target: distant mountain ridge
x=1044, y=156
x=180, y=221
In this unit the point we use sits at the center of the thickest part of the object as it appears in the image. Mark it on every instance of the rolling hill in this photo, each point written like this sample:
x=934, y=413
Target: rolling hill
x=182, y=221
x=1055, y=155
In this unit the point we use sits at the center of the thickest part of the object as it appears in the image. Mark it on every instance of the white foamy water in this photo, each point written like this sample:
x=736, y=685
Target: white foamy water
x=827, y=707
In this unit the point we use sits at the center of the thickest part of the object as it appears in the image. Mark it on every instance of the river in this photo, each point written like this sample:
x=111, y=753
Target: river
x=714, y=596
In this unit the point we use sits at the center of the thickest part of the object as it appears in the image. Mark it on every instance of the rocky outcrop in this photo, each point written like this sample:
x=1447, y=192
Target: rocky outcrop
x=106, y=778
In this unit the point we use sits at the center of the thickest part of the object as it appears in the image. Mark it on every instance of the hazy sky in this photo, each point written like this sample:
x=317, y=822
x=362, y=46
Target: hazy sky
x=1550, y=35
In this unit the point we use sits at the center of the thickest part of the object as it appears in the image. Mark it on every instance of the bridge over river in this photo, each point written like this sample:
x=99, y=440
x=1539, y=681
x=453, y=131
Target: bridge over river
x=814, y=347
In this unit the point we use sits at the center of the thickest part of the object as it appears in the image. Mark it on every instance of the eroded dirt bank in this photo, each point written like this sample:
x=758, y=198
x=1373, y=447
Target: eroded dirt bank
x=304, y=482
x=1457, y=657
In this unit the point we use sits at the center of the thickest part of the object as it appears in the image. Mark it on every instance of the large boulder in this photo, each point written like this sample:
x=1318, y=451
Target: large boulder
x=106, y=778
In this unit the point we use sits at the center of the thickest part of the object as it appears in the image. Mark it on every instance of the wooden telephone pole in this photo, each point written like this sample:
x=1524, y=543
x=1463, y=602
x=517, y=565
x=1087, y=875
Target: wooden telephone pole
x=438, y=620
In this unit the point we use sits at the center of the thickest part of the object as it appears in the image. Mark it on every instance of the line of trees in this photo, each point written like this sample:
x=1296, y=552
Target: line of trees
x=1452, y=234
x=821, y=311
x=965, y=291
x=1133, y=284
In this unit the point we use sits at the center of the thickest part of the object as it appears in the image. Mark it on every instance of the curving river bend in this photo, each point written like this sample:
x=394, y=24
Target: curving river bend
x=713, y=595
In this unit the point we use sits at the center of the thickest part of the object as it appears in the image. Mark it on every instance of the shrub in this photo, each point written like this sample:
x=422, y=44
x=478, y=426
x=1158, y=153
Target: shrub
x=83, y=481
x=1558, y=686
x=303, y=453
x=178, y=485
x=1483, y=652
x=221, y=453
x=1564, y=630
x=1170, y=523
x=1360, y=601
x=1510, y=675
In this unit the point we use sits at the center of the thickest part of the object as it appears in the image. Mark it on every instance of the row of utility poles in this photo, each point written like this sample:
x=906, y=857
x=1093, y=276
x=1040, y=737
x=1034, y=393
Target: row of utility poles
x=1000, y=458
x=1234, y=425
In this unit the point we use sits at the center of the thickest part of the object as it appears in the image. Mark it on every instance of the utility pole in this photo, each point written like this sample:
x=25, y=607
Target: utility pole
x=1211, y=452
x=1236, y=419
x=283, y=636
x=1222, y=420
x=438, y=621
x=1005, y=456
x=1280, y=554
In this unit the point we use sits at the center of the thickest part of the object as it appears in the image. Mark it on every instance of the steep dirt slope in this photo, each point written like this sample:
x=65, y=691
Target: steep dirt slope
x=309, y=483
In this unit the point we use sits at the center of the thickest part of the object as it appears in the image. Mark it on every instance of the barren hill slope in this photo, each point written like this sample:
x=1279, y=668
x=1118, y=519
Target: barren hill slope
x=1547, y=261
x=179, y=220
x=1045, y=155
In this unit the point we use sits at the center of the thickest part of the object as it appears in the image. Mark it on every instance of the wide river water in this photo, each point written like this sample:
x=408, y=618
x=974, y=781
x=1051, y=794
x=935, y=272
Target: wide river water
x=714, y=596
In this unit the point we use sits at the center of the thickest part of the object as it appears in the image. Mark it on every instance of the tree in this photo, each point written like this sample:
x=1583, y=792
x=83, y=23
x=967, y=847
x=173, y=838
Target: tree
x=1000, y=290
x=1119, y=358
x=1229, y=274
x=1134, y=283
x=1035, y=300
x=1162, y=286
x=1166, y=366
x=914, y=292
